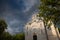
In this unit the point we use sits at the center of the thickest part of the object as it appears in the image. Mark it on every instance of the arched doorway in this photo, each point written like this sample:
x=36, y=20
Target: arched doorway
x=34, y=37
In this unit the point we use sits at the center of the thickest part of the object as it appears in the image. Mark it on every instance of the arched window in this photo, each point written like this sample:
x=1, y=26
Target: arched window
x=34, y=37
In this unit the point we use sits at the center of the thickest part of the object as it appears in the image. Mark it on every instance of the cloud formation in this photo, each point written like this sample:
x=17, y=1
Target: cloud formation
x=17, y=13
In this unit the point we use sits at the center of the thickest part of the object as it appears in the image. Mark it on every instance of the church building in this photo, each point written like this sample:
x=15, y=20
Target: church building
x=35, y=30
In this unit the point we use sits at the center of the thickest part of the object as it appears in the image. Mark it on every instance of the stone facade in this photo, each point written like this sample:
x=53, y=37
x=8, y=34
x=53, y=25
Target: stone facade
x=36, y=27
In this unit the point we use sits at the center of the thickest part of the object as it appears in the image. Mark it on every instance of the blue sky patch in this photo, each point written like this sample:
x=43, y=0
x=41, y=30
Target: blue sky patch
x=17, y=13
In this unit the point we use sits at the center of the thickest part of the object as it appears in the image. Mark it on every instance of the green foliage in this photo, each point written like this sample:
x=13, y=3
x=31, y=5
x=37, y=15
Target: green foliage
x=3, y=26
x=50, y=10
x=6, y=36
x=19, y=37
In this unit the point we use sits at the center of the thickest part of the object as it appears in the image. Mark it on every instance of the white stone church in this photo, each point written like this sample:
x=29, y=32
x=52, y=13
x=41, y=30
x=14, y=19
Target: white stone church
x=34, y=30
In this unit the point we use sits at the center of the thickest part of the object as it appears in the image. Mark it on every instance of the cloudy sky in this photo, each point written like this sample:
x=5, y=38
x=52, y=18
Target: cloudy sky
x=17, y=13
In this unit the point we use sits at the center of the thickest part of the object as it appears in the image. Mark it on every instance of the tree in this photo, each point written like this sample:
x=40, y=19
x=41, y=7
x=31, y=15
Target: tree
x=3, y=26
x=50, y=11
x=20, y=36
x=6, y=36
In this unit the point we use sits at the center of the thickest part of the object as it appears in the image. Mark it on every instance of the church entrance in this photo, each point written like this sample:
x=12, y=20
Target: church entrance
x=34, y=37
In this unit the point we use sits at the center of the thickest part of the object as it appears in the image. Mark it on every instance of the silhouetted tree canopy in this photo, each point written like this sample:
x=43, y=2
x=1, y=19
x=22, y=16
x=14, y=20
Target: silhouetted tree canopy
x=49, y=10
x=3, y=26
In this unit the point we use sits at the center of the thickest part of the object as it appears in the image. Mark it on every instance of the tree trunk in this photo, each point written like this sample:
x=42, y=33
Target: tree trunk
x=46, y=31
x=57, y=32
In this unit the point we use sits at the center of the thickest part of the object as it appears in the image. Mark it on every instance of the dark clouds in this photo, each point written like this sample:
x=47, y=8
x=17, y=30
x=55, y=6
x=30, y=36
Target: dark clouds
x=17, y=13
